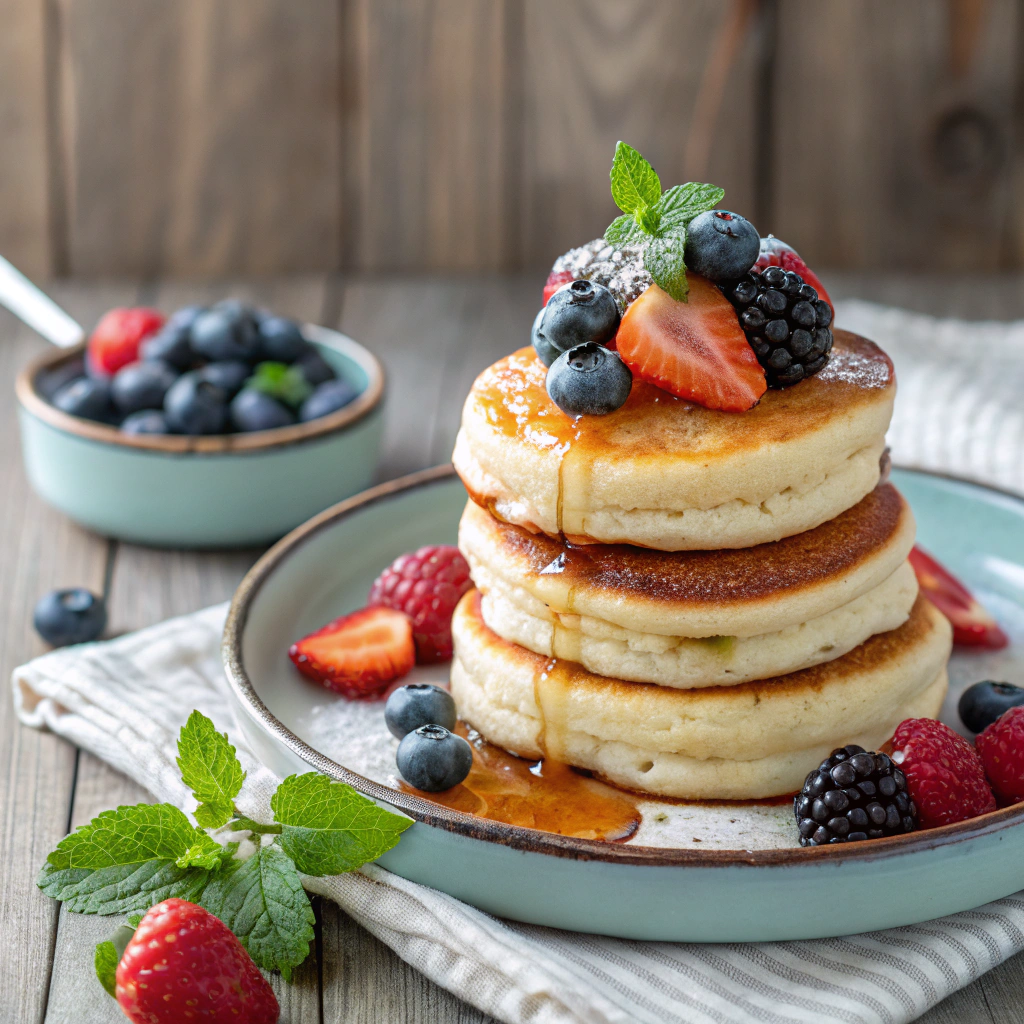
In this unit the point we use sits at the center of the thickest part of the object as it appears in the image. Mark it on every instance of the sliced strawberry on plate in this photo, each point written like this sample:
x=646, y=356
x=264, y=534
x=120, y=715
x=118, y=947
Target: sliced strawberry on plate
x=358, y=655
x=972, y=625
x=696, y=349
x=116, y=338
x=775, y=253
x=556, y=279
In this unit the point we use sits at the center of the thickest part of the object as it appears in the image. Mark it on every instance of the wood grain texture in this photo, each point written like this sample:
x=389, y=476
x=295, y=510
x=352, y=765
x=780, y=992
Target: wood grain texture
x=364, y=982
x=25, y=237
x=884, y=157
x=36, y=769
x=596, y=71
x=427, y=174
x=202, y=136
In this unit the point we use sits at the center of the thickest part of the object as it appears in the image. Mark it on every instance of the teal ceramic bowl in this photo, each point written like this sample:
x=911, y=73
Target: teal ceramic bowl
x=695, y=894
x=195, y=492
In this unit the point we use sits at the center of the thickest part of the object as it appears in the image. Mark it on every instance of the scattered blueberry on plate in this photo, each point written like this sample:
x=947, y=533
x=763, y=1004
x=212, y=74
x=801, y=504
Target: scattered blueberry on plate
x=418, y=704
x=72, y=616
x=981, y=704
x=433, y=759
x=226, y=368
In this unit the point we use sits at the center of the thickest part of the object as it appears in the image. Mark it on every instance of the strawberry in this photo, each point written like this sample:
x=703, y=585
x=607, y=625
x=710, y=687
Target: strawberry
x=115, y=340
x=358, y=655
x=972, y=625
x=182, y=964
x=775, y=253
x=695, y=350
x=556, y=279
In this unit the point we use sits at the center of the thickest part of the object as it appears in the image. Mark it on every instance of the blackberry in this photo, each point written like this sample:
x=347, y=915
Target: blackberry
x=853, y=795
x=787, y=325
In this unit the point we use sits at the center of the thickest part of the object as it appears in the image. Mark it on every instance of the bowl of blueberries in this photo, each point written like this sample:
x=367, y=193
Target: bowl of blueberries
x=212, y=427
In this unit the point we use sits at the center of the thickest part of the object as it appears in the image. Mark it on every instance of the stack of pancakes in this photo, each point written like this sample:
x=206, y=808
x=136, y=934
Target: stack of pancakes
x=690, y=603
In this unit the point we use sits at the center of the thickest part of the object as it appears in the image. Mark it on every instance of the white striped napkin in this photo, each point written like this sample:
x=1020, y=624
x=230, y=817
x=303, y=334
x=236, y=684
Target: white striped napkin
x=125, y=700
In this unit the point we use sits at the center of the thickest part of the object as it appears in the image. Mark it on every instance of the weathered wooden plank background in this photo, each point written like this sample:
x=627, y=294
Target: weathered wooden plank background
x=217, y=137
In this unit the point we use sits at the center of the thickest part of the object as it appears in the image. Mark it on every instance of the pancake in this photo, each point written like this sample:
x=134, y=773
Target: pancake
x=668, y=474
x=750, y=741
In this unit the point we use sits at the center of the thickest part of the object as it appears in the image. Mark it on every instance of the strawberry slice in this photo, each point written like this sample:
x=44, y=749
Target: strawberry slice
x=696, y=349
x=972, y=625
x=358, y=655
x=556, y=279
x=775, y=253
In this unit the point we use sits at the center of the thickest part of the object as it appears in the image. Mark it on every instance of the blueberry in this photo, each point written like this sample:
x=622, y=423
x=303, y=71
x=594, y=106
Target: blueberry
x=432, y=759
x=72, y=616
x=418, y=704
x=185, y=316
x=546, y=352
x=88, y=397
x=195, y=406
x=582, y=312
x=225, y=332
x=281, y=339
x=230, y=374
x=314, y=367
x=253, y=410
x=141, y=385
x=981, y=704
x=328, y=397
x=49, y=382
x=589, y=380
x=146, y=421
x=721, y=245
x=169, y=345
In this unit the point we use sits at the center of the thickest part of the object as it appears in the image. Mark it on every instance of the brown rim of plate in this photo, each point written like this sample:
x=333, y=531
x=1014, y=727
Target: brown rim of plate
x=531, y=840
x=211, y=444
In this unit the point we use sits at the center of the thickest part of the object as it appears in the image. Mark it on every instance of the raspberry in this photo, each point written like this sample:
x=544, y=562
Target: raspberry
x=945, y=775
x=426, y=585
x=1001, y=747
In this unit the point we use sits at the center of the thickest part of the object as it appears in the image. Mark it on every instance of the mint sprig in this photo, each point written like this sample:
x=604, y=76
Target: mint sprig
x=655, y=218
x=210, y=769
x=126, y=860
x=279, y=380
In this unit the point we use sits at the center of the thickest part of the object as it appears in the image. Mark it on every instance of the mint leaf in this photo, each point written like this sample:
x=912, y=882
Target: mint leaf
x=264, y=904
x=635, y=184
x=664, y=261
x=281, y=381
x=129, y=859
x=210, y=768
x=329, y=828
x=122, y=888
x=681, y=203
x=624, y=230
x=105, y=961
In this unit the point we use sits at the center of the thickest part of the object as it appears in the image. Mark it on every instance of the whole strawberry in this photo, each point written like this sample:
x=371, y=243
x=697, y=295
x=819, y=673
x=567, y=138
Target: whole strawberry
x=116, y=338
x=426, y=585
x=184, y=964
x=945, y=775
x=1001, y=747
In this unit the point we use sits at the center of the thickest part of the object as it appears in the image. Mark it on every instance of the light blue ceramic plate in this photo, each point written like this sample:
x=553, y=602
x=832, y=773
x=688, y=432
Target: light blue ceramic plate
x=195, y=492
x=714, y=873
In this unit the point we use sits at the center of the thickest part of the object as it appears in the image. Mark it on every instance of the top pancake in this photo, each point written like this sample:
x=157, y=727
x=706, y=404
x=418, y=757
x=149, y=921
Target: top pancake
x=665, y=473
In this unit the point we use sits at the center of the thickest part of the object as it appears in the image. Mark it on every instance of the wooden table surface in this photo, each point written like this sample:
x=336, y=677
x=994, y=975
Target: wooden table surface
x=434, y=335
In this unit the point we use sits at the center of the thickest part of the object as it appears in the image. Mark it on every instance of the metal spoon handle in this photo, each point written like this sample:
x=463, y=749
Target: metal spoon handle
x=36, y=308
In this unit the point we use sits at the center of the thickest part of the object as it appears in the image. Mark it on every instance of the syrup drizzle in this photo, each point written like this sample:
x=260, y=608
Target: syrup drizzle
x=546, y=795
